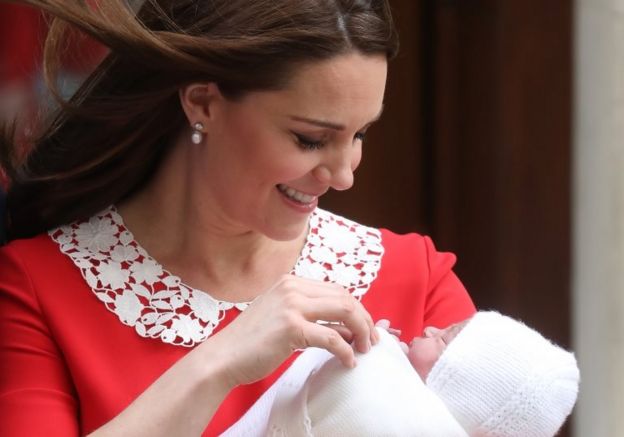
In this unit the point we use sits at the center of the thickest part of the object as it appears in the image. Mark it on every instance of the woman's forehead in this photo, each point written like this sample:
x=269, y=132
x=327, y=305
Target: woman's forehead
x=344, y=83
x=351, y=73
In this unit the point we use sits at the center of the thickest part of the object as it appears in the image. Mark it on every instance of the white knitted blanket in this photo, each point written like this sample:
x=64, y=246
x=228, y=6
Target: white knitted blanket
x=317, y=396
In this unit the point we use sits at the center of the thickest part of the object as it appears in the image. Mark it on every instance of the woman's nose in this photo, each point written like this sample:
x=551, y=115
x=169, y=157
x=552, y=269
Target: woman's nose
x=342, y=178
x=337, y=170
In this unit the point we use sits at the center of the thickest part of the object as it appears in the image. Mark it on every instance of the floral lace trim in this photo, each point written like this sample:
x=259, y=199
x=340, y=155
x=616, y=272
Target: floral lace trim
x=158, y=304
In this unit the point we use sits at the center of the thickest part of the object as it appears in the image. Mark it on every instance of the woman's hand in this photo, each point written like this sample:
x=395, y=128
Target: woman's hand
x=286, y=318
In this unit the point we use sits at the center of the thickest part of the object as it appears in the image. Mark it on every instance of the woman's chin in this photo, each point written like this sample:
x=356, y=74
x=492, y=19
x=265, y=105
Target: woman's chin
x=288, y=230
x=287, y=233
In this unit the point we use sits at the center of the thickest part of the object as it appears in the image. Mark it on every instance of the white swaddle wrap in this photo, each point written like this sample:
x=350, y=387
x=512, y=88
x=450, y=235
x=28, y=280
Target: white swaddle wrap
x=317, y=396
x=497, y=378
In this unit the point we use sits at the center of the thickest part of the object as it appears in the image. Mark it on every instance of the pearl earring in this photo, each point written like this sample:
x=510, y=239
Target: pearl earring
x=197, y=136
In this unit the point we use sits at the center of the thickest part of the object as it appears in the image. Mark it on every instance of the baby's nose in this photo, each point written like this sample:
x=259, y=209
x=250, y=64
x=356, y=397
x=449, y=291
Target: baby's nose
x=431, y=331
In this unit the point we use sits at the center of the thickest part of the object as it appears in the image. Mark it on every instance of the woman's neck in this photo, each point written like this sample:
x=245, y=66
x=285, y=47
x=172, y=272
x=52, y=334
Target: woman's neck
x=187, y=234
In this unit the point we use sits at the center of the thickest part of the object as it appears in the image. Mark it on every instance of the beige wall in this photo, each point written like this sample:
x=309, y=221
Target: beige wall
x=598, y=265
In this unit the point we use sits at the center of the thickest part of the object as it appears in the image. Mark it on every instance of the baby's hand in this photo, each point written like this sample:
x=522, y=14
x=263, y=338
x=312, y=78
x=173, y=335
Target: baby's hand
x=385, y=324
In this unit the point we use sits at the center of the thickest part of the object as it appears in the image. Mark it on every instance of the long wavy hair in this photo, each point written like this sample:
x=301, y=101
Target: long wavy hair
x=105, y=142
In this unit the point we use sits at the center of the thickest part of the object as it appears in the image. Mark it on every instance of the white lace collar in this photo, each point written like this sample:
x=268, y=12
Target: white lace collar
x=158, y=304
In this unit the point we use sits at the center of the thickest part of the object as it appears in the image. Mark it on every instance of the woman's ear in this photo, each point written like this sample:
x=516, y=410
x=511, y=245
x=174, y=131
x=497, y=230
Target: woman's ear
x=199, y=102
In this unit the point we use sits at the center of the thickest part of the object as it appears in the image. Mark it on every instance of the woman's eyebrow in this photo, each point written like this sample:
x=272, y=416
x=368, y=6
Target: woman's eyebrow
x=331, y=125
x=320, y=123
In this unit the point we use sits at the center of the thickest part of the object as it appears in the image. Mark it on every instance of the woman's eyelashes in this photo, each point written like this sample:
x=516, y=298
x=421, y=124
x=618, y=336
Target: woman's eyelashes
x=308, y=143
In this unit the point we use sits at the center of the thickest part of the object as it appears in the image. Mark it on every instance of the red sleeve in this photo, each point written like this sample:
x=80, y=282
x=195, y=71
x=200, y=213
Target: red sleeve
x=447, y=300
x=36, y=393
x=416, y=286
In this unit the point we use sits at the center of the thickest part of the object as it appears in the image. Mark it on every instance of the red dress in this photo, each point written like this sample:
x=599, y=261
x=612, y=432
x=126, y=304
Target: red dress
x=88, y=320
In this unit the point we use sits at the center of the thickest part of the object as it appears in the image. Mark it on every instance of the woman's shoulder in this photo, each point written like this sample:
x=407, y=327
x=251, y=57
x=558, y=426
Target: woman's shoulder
x=31, y=263
x=414, y=284
x=29, y=250
x=412, y=245
x=415, y=249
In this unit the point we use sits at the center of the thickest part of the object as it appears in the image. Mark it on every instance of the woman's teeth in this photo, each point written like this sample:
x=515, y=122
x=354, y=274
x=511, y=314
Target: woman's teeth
x=295, y=195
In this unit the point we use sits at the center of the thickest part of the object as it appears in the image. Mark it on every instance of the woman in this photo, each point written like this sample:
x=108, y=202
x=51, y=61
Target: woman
x=149, y=286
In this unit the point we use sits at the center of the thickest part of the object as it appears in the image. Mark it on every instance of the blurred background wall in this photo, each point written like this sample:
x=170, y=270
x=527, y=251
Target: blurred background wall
x=476, y=149
x=22, y=88
x=598, y=233
x=502, y=139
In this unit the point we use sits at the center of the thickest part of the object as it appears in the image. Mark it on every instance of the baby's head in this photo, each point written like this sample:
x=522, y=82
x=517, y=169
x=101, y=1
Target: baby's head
x=498, y=376
x=425, y=351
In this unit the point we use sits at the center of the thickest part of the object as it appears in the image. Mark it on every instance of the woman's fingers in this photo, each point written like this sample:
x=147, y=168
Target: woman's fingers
x=347, y=310
x=341, y=329
x=322, y=336
x=330, y=302
x=285, y=318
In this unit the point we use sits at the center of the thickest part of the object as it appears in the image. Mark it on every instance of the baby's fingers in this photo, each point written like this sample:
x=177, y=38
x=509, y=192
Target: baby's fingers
x=385, y=324
x=404, y=347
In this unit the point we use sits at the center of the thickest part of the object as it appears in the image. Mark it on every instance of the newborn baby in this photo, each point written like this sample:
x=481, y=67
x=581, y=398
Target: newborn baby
x=497, y=376
x=487, y=376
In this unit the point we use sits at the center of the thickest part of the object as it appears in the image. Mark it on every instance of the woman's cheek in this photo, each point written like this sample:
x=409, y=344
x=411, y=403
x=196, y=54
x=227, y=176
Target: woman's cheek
x=357, y=158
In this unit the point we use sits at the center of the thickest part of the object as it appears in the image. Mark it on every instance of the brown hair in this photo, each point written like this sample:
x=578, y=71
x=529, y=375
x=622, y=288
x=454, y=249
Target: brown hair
x=105, y=142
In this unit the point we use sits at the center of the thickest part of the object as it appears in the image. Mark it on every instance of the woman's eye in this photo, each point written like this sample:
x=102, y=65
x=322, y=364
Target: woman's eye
x=308, y=143
x=360, y=136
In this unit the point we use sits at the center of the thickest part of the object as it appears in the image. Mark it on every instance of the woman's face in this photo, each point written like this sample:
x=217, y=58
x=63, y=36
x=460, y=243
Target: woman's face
x=268, y=157
x=426, y=350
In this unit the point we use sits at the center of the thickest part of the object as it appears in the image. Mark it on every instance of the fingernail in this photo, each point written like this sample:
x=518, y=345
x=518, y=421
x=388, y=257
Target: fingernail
x=364, y=348
x=383, y=323
x=395, y=331
x=404, y=347
x=375, y=336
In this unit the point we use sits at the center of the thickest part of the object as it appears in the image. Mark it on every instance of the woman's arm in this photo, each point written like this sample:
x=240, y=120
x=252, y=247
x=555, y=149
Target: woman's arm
x=181, y=402
x=447, y=301
x=184, y=399
x=37, y=394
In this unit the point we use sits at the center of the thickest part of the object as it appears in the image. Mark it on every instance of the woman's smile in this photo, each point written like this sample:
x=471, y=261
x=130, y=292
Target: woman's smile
x=300, y=201
x=298, y=196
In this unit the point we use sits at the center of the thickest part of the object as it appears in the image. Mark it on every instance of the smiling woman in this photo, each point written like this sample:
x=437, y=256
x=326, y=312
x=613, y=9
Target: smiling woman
x=253, y=167
x=167, y=258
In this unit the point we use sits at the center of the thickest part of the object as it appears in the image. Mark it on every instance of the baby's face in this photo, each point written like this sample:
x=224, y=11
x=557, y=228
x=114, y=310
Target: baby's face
x=424, y=351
